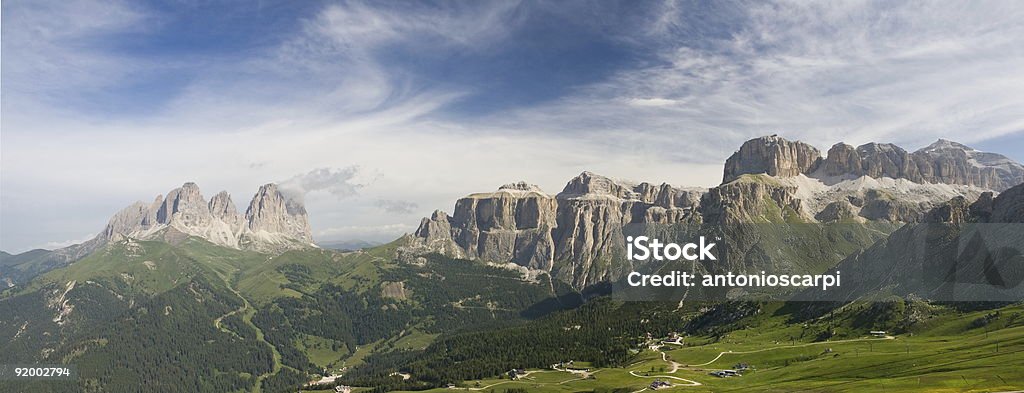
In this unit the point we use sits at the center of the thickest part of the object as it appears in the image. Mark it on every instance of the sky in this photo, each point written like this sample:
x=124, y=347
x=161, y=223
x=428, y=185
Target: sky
x=381, y=112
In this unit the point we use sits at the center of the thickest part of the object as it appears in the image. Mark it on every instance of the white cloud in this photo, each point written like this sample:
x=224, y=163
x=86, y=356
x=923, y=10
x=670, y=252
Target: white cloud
x=325, y=98
x=855, y=71
x=47, y=45
x=651, y=101
x=340, y=182
x=396, y=206
x=359, y=27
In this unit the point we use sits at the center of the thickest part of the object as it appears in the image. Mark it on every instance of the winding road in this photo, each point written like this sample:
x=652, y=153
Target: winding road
x=676, y=365
x=791, y=346
x=248, y=311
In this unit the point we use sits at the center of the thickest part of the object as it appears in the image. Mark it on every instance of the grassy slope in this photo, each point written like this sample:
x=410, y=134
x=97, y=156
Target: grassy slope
x=947, y=356
x=264, y=282
x=151, y=267
x=944, y=355
x=142, y=270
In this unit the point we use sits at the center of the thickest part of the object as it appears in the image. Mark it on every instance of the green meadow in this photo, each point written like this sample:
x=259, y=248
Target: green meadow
x=971, y=360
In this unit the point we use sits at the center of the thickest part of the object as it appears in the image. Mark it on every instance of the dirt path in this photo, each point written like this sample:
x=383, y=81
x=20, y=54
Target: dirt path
x=675, y=365
x=216, y=322
x=248, y=312
x=688, y=382
x=789, y=346
x=524, y=375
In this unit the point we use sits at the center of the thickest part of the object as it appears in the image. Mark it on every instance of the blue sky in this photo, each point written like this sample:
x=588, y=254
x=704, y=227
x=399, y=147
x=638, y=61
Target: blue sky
x=398, y=108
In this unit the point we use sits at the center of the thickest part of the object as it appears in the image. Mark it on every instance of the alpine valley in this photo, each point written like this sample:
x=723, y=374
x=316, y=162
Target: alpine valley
x=511, y=292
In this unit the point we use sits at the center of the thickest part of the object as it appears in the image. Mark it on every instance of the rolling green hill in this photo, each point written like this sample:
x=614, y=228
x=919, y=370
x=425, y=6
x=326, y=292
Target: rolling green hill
x=191, y=316
x=195, y=317
x=948, y=350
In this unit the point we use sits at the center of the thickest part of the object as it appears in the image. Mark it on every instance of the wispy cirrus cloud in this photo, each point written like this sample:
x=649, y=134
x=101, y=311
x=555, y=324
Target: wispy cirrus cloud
x=856, y=71
x=109, y=102
x=360, y=27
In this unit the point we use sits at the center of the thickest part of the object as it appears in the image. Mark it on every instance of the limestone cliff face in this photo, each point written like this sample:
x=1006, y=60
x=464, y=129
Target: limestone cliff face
x=872, y=159
x=887, y=160
x=842, y=159
x=594, y=211
x=919, y=259
x=435, y=234
x=579, y=234
x=1007, y=207
x=223, y=208
x=772, y=155
x=512, y=224
x=572, y=234
x=272, y=223
x=942, y=162
x=953, y=163
x=752, y=198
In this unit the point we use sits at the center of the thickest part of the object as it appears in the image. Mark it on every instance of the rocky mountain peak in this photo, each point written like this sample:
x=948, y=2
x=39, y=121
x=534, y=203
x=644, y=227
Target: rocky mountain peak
x=190, y=188
x=582, y=224
x=594, y=184
x=874, y=148
x=221, y=204
x=520, y=186
x=578, y=234
x=223, y=208
x=841, y=159
x=942, y=162
x=126, y=220
x=439, y=215
x=272, y=223
x=275, y=219
x=772, y=155
x=943, y=144
x=187, y=200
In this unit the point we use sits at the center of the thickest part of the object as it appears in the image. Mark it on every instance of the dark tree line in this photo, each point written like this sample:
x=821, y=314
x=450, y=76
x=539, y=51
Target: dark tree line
x=602, y=332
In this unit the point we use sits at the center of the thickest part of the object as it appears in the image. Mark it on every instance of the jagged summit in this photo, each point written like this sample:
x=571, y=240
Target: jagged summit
x=272, y=219
x=535, y=229
x=577, y=234
x=271, y=223
x=594, y=184
x=942, y=144
x=521, y=186
x=772, y=155
x=943, y=162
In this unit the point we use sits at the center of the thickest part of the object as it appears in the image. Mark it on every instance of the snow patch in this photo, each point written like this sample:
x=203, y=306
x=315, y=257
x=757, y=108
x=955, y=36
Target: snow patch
x=817, y=193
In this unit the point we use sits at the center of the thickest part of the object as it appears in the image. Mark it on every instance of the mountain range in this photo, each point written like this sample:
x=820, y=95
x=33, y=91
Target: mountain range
x=579, y=233
x=942, y=162
x=185, y=294
x=271, y=223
